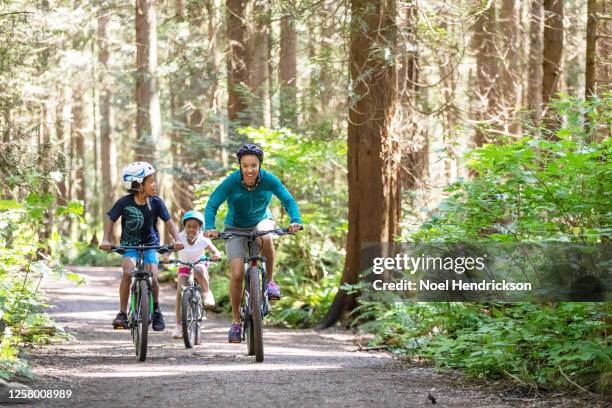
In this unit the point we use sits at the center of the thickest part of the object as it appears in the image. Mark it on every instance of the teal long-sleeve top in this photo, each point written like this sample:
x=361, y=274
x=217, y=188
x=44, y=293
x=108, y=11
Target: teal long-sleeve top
x=248, y=207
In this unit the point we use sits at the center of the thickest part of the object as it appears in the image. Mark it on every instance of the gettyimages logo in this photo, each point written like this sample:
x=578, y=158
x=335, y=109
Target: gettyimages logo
x=413, y=264
x=489, y=272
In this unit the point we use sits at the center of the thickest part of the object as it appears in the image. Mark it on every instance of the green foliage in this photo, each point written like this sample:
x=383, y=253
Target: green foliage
x=530, y=343
x=25, y=259
x=532, y=189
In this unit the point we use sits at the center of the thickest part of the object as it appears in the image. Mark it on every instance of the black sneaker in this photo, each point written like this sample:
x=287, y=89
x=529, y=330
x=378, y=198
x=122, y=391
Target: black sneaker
x=121, y=321
x=158, y=320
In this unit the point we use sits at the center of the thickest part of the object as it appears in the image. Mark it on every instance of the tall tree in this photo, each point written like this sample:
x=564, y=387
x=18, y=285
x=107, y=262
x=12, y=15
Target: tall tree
x=414, y=162
x=325, y=51
x=60, y=120
x=373, y=164
x=509, y=59
x=288, y=69
x=148, y=116
x=552, y=55
x=534, y=85
x=237, y=77
x=483, y=43
x=598, y=74
x=78, y=146
x=107, y=142
x=214, y=22
x=259, y=65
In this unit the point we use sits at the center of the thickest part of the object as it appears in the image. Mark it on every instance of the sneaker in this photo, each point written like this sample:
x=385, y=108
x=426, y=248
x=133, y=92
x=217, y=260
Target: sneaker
x=235, y=333
x=121, y=321
x=273, y=291
x=158, y=320
x=177, y=333
x=209, y=300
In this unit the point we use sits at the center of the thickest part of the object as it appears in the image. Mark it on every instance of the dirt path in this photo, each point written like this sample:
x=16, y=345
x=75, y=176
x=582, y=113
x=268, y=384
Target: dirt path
x=302, y=368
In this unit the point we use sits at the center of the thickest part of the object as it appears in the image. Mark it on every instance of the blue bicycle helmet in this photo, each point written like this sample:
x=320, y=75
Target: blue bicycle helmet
x=193, y=214
x=250, y=148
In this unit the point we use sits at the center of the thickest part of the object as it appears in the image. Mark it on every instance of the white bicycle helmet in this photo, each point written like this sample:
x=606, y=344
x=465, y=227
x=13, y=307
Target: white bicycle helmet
x=136, y=171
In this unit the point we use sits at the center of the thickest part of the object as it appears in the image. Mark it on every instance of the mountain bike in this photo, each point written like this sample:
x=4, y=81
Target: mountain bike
x=192, y=309
x=141, y=297
x=255, y=303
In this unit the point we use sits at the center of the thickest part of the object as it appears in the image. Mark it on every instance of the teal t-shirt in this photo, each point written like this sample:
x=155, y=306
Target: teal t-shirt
x=246, y=208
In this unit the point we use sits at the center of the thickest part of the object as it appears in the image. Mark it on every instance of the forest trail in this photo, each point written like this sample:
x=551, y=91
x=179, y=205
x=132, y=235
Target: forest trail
x=302, y=368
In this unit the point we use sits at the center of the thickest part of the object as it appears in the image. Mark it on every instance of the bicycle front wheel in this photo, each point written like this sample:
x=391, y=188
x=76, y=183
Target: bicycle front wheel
x=189, y=317
x=142, y=321
x=256, y=323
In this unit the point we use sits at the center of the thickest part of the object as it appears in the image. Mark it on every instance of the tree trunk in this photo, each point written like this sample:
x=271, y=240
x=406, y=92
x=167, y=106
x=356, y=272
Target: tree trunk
x=534, y=87
x=181, y=195
x=237, y=77
x=46, y=163
x=510, y=78
x=148, y=117
x=598, y=76
x=62, y=164
x=258, y=82
x=288, y=72
x=487, y=71
x=78, y=138
x=373, y=166
x=179, y=12
x=415, y=146
x=214, y=21
x=107, y=142
x=552, y=57
x=326, y=50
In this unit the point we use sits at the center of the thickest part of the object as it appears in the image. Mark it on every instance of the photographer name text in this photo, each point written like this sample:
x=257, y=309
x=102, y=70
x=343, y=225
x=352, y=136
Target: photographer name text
x=450, y=285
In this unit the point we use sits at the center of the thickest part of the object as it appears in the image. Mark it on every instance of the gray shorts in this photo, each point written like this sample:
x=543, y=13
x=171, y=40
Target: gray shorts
x=236, y=247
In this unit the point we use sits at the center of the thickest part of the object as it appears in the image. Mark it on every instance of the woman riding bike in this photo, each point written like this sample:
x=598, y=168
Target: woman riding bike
x=248, y=192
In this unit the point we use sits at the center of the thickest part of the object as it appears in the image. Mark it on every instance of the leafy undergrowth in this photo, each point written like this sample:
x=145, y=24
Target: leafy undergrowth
x=27, y=256
x=533, y=190
x=546, y=346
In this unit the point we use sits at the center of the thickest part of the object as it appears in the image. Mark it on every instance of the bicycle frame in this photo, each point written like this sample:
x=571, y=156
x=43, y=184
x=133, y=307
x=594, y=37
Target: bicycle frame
x=138, y=324
x=250, y=262
x=253, y=261
x=190, y=295
x=138, y=274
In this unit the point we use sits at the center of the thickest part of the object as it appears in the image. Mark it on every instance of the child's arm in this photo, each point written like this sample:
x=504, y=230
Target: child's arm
x=216, y=254
x=178, y=245
x=108, y=230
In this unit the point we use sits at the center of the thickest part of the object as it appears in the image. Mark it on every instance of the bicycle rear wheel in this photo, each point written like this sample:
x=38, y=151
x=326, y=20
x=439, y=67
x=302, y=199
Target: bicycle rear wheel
x=189, y=317
x=142, y=321
x=256, y=324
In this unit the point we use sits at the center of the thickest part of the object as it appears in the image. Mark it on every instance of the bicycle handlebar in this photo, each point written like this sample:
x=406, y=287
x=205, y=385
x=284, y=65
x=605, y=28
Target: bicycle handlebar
x=162, y=249
x=190, y=264
x=277, y=231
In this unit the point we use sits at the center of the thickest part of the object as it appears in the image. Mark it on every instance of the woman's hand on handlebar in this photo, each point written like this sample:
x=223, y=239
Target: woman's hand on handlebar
x=211, y=233
x=293, y=228
x=178, y=246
